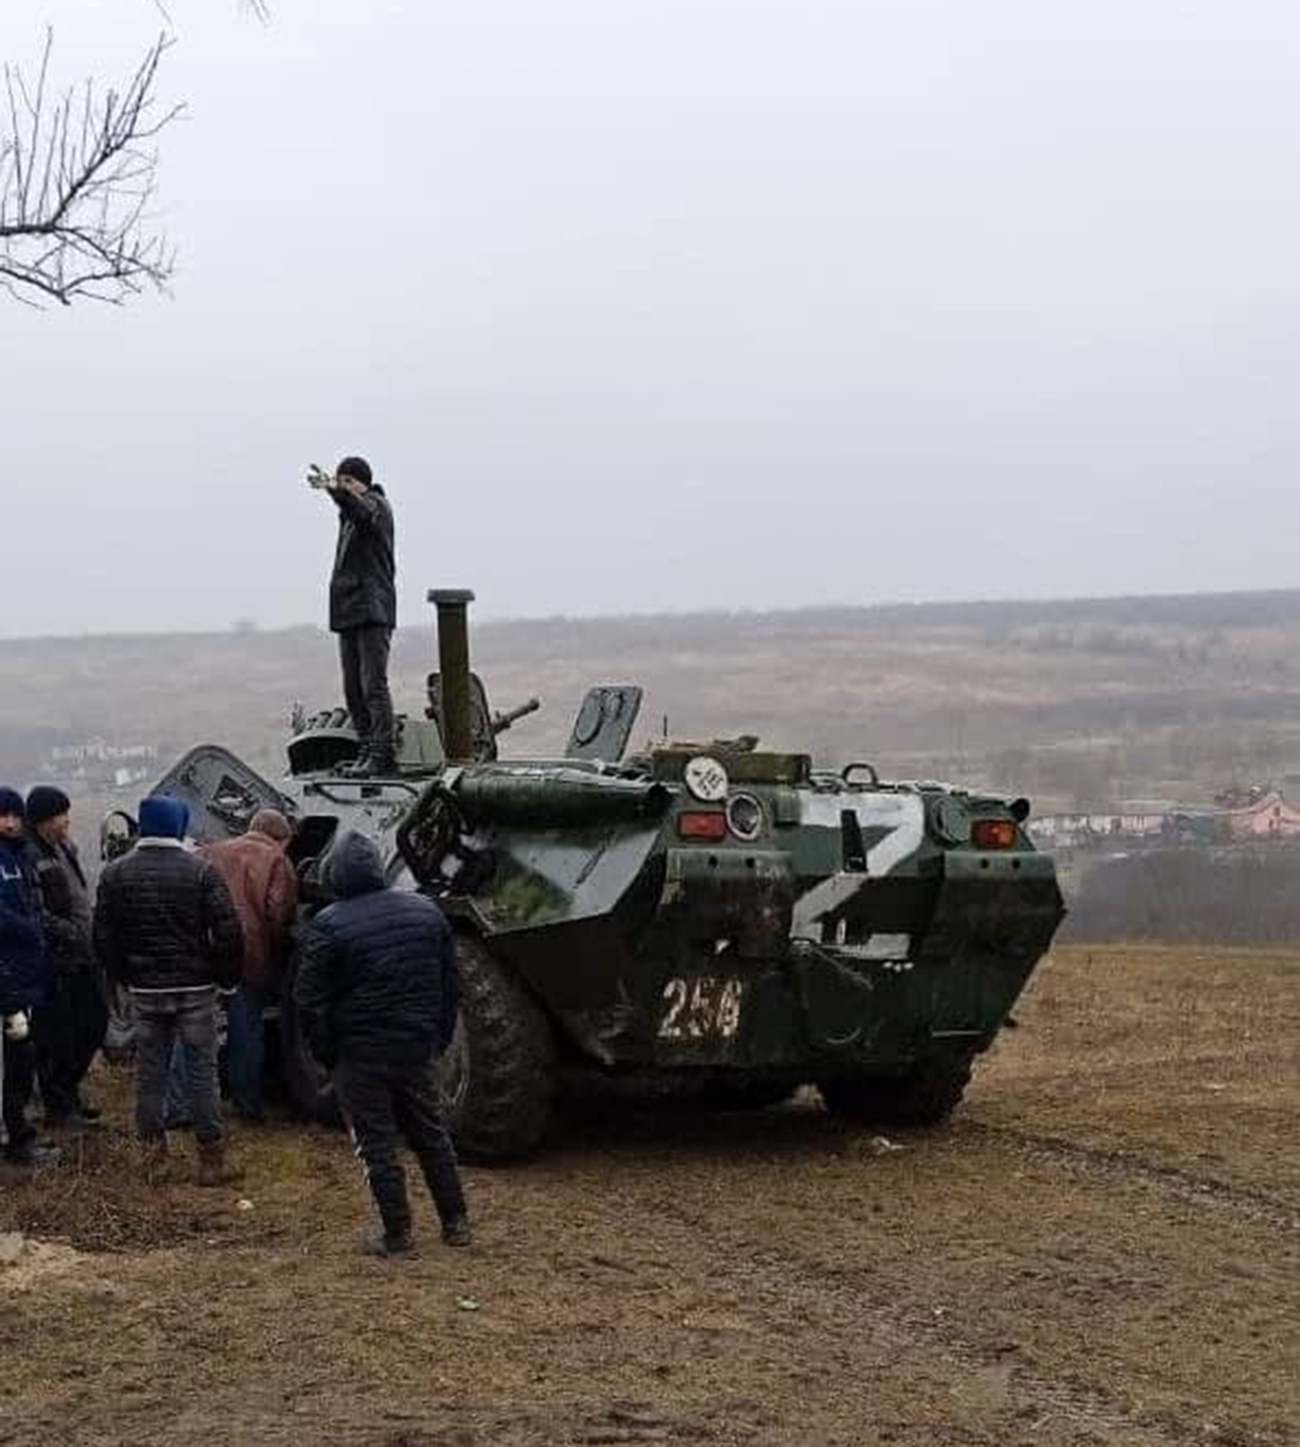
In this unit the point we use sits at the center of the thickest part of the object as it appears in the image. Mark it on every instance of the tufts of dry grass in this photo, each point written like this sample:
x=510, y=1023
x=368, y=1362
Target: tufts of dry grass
x=100, y=1198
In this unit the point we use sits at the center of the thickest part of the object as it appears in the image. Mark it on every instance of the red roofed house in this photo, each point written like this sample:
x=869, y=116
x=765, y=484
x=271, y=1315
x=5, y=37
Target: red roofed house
x=1269, y=816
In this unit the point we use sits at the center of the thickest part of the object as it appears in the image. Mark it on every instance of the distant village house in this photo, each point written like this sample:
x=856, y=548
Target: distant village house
x=1269, y=816
x=1243, y=815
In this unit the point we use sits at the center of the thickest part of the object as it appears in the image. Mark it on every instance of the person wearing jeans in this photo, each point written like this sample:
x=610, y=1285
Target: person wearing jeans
x=187, y=1018
x=166, y=927
x=246, y=1049
x=264, y=888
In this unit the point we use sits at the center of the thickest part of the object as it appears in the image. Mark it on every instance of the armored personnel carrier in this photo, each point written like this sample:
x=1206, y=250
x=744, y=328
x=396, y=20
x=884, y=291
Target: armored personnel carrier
x=707, y=919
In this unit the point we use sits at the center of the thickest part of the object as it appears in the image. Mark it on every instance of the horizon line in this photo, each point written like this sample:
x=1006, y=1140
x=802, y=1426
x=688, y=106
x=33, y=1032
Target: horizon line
x=251, y=627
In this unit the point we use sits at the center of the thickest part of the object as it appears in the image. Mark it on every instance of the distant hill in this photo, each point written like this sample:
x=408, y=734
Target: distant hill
x=1075, y=702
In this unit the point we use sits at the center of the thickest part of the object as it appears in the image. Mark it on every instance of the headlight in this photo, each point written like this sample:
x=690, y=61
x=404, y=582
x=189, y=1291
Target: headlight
x=744, y=816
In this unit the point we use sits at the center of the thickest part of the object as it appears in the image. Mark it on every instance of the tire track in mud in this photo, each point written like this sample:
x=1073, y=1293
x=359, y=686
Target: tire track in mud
x=1116, y=1165
x=855, y=1302
x=1043, y=1399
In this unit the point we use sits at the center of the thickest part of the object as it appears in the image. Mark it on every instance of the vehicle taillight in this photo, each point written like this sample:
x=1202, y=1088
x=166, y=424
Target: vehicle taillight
x=994, y=833
x=702, y=824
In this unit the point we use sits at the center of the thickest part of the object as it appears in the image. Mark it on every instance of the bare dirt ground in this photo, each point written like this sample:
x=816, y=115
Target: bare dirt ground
x=1104, y=1248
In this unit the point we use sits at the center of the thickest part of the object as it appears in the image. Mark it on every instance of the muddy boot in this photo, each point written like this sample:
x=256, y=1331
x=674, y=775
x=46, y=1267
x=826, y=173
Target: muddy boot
x=456, y=1232
x=380, y=1243
x=214, y=1169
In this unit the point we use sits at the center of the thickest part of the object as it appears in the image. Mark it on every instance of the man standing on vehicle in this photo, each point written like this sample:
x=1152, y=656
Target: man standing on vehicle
x=363, y=607
x=264, y=889
x=23, y=984
x=376, y=992
x=69, y=1029
x=165, y=926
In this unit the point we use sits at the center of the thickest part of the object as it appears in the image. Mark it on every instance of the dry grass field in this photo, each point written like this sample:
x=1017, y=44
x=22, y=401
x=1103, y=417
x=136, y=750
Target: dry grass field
x=1103, y=1249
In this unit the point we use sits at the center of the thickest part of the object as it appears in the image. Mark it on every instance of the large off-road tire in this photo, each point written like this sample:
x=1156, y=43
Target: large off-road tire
x=305, y=1079
x=925, y=1096
x=499, y=1072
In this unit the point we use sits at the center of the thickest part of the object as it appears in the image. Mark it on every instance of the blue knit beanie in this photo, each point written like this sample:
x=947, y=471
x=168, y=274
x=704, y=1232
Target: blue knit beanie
x=11, y=802
x=163, y=818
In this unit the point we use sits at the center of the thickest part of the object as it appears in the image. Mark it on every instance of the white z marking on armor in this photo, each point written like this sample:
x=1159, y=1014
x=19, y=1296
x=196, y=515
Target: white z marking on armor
x=902, y=814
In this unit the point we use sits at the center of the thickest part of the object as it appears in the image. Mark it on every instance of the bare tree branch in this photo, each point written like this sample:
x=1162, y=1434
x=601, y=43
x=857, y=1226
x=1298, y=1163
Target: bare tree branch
x=77, y=177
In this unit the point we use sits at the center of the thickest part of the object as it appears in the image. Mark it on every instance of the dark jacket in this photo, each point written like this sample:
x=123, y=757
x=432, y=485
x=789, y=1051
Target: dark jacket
x=165, y=921
x=24, y=967
x=65, y=902
x=363, y=591
x=377, y=969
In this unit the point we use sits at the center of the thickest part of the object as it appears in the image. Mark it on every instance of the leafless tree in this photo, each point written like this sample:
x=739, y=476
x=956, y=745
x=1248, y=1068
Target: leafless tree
x=77, y=177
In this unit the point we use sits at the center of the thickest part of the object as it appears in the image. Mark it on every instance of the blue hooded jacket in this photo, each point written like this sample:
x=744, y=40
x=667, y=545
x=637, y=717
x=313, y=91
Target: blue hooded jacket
x=24, y=966
x=377, y=969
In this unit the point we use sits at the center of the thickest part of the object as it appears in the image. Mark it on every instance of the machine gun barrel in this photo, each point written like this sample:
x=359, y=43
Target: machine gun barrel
x=502, y=721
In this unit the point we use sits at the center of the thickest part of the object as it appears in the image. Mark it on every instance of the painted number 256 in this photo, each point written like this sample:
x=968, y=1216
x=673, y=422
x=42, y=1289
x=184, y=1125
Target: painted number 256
x=701, y=1008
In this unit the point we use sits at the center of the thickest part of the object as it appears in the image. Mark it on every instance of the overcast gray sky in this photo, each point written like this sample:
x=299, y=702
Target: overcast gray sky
x=642, y=304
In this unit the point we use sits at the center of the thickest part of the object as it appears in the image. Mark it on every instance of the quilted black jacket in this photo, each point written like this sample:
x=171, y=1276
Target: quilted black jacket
x=376, y=976
x=165, y=921
x=363, y=590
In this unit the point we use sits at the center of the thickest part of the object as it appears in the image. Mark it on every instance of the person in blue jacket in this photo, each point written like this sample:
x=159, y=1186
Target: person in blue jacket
x=376, y=988
x=24, y=983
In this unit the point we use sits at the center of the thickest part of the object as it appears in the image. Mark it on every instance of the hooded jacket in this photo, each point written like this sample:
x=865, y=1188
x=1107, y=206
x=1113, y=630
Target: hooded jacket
x=376, y=978
x=363, y=590
x=24, y=980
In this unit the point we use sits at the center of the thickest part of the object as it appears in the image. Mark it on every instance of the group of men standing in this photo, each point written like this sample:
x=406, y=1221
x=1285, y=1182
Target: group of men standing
x=180, y=928
x=175, y=929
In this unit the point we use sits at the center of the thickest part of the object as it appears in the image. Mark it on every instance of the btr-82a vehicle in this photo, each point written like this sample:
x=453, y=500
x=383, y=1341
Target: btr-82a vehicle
x=707, y=920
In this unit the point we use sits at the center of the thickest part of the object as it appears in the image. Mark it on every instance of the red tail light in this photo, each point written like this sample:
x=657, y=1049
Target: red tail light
x=702, y=824
x=994, y=833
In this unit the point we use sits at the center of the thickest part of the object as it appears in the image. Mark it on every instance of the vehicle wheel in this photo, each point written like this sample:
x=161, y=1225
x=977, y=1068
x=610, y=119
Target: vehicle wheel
x=926, y=1095
x=498, y=1073
x=305, y=1079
